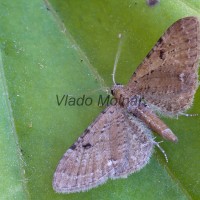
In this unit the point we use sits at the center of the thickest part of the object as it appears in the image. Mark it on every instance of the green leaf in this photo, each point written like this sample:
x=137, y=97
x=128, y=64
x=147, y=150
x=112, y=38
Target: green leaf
x=69, y=47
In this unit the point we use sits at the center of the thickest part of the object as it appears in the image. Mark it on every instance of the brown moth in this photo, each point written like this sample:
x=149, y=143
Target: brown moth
x=119, y=142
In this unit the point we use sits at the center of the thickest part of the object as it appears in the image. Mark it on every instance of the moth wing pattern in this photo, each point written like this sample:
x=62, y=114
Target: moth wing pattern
x=115, y=145
x=168, y=76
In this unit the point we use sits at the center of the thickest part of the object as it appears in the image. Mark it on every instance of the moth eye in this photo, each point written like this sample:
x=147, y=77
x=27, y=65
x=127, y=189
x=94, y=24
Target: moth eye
x=112, y=92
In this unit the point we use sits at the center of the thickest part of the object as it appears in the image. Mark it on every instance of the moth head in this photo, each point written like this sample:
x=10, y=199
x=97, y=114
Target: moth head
x=116, y=89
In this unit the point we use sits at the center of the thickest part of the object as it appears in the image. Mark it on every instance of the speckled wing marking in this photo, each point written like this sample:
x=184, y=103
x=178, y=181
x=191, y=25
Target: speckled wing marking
x=115, y=145
x=168, y=76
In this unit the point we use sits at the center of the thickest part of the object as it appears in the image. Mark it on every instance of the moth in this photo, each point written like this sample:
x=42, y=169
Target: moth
x=119, y=142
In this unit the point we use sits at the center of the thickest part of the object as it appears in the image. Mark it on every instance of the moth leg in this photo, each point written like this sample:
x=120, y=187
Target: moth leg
x=189, y=115
x=161, y=149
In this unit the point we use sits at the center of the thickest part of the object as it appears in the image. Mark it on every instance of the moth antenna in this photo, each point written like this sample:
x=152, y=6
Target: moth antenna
x=117, y=57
